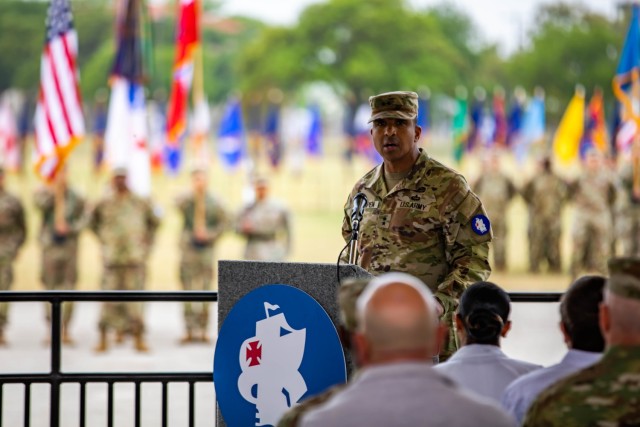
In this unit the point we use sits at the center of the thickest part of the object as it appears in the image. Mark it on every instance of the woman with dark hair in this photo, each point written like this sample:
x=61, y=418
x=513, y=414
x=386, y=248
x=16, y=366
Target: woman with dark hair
x=480, y=365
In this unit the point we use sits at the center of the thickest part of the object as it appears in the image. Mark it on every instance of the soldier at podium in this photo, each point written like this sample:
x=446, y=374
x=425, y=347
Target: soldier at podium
x=421, y=217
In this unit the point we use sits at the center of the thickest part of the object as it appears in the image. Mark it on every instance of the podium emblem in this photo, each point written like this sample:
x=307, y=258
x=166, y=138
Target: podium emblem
x=276, y=347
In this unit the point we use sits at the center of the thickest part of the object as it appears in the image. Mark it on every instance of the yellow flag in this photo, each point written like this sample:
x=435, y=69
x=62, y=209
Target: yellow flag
x=566, y=141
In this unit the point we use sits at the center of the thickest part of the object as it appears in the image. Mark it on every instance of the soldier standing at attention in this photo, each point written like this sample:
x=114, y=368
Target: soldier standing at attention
x=496, y=191
x=593, y=194
x=606, y=393
x=62, y=219
x=124, y=224
x=546, y=194
x=13, y=231
x=421, y=217
x=265, y=225
x=630, y=184
x=204, y=221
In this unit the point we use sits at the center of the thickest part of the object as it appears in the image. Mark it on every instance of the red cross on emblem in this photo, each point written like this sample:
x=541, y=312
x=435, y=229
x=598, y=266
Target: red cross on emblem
x=254, y=353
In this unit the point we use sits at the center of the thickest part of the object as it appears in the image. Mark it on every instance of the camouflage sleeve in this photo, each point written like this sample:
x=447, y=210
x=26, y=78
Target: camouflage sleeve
x=43, y=199
x=95, y=219
x=286, y=227
x=467, y=248
x=21, y=223
x=222, y=221
x=346, y=228
x=527, y=192
x=512, y=189
x=78, y=218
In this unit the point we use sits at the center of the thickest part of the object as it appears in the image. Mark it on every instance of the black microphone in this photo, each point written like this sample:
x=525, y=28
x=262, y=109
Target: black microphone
x=359, y=203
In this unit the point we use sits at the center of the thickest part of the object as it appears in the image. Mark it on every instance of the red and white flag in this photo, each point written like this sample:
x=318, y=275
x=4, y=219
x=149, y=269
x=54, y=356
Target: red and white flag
x=59, y=123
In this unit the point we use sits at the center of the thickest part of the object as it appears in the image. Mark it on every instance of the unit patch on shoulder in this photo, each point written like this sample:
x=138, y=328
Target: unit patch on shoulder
x=480, y=225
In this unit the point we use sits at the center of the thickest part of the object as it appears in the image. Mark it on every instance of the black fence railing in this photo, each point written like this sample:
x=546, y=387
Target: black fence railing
x=55, y=378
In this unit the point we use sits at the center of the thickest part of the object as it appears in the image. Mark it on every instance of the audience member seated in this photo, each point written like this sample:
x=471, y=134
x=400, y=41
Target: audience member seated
x=398, y=334
x=608, y=392
x=579, y=325
x=348, y=293
x=479, y=365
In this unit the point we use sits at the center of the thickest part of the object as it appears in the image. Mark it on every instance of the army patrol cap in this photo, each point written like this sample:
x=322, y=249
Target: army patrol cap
x=119, y=171
x=394, y=105
x=624, y=277
x=348, y=294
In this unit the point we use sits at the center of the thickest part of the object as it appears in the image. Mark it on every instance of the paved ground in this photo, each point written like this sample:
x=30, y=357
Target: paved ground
x=534, y=337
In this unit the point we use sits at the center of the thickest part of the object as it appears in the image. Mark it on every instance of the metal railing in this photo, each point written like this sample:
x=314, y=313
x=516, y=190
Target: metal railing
x=55, y=378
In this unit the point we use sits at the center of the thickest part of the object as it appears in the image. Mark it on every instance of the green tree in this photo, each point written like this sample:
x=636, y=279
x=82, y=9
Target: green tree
x=362, y=48
x=568, y=45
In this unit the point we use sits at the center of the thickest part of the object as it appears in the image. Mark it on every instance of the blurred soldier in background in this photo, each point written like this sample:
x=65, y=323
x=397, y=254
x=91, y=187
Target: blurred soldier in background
x=62, y=214
x=630, y=215
x=496, y=191
x=545, y=194
x=265, y=224
x=593, y=194
x=124, y=224
x=204, y=221
x=13, y=231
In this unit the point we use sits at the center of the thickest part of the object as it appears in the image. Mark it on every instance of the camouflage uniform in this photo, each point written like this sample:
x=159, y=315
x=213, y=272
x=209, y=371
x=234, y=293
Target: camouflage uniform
x=348, y=294
x=13, y=232
x=59, y=269
x=545, y=195
x=125, y=225
x=496, y=191
x=270, y=235
x=593, y=194
x=425, y=227
x=607, y=393
x=196, y=263
x=630, y=215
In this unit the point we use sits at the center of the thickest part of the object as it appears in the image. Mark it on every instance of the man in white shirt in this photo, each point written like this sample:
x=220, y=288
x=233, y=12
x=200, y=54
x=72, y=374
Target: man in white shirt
x=480, y=365
x=579, y=325
x=398, y=334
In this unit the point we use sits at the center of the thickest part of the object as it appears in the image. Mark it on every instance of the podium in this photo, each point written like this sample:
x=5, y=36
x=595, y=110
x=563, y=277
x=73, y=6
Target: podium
x=237, y=278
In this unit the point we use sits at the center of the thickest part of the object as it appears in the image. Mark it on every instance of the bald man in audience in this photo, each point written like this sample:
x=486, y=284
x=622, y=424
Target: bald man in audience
x=398, y=334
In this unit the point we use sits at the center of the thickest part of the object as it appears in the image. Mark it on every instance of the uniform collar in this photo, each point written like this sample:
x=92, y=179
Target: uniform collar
x=475, y=351
x=376, y=182
x=622, y=353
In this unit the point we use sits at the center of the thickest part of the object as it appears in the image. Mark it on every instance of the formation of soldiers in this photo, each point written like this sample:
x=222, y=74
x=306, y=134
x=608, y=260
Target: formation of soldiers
x=125, y=225
x=605, y=222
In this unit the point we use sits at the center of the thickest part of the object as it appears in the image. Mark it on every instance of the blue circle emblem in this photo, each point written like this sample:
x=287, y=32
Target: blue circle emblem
x=276, y=347
x=480, y=225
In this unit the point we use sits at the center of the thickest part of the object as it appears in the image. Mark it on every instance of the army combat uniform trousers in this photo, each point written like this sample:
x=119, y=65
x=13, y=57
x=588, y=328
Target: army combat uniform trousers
x=196, y=274
x=499, y=242
x=127, y=317
x=544, y=245
x=591, y=243
x=60, y=272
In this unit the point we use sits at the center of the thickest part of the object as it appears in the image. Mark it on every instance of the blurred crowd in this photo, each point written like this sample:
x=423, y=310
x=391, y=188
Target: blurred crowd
x=124, y=224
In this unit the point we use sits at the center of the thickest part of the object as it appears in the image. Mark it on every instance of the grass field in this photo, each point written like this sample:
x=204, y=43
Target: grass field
x=315, y=197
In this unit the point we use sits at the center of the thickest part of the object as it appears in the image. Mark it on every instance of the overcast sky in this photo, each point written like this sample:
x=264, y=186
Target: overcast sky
x=502, y=21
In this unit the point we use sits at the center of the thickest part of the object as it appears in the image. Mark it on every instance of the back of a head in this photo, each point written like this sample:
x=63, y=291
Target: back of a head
x=484, y=309
x=397, y=315
x=579, y=313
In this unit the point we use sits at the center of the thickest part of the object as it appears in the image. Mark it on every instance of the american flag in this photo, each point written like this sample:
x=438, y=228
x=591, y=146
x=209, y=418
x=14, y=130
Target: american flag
x=59, y=124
